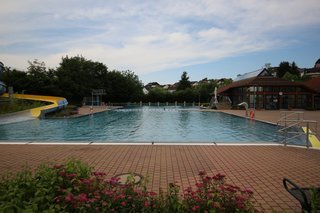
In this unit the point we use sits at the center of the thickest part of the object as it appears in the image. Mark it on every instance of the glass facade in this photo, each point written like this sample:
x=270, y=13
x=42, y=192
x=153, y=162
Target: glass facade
x=317, y=102
x=274, y=97
x=272, y=102
x=287, y=101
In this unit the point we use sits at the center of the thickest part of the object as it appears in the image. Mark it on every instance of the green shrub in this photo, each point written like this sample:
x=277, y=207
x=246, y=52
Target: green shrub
x=73, y=187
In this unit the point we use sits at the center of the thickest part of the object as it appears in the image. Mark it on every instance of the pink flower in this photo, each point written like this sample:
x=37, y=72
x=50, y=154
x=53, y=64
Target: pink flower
x=114, y=181
x=152, y=194
x=218, y=177
x=121, y=196
x=97, y=174
x=62, y=173
x=123, y=203
x=231, y=189
x=71, y=175
x=188, y=190
x=92, y=200
x=107, y=192
x=240, y=205
x=240, y=199
x=199, y=185
x=146, y=203
x=195, y=208
x=82, y=197
x=214, y=205
x=86, y=181
x=69, y=197
x=206, y=179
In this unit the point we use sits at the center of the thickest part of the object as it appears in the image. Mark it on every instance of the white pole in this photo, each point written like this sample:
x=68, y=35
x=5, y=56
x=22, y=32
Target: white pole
x=215, y=95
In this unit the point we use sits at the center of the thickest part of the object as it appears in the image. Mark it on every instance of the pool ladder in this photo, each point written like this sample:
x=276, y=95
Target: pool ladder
x=291, y=125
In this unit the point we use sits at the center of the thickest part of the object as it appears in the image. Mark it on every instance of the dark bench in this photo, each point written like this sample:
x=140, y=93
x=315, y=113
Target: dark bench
x=304, y=195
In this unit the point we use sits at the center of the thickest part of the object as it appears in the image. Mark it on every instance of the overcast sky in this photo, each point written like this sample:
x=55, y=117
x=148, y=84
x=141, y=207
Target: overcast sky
x=158, y=40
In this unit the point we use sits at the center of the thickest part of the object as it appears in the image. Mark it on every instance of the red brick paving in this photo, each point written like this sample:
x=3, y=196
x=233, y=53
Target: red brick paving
x=260, y=168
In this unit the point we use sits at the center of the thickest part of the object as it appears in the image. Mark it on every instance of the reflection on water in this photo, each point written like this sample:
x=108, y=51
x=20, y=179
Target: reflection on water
x=169, y=124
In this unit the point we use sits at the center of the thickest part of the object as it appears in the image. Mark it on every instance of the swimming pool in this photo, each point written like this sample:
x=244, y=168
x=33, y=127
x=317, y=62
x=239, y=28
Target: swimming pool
x=144, y=124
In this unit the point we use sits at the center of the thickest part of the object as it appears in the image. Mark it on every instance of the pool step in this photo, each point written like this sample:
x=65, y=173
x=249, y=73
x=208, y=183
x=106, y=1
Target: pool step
x=312, y=138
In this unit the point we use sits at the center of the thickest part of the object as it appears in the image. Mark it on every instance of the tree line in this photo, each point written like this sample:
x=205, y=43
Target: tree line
x=74, y=78
x=290, y=72
x=186, y=92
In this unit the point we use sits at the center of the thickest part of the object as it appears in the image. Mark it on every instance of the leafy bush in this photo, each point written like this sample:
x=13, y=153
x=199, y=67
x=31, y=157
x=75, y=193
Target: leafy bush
x=214, y=193
x=69, y=110
x=73, y=187
x=36, y=192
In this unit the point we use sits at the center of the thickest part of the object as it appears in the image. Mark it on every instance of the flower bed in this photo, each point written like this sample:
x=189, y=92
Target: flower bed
x=73, y=187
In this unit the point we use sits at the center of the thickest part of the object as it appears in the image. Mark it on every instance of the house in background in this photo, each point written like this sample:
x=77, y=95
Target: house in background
x=260, y=89
x=313, y=72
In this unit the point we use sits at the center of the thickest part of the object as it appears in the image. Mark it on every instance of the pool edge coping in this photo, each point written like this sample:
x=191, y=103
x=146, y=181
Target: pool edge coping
x=155, y=144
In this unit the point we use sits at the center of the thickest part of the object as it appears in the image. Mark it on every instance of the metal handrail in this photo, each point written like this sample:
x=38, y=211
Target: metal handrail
x=288, y=123
x=302, y=121
x=287, y=127
x=283, y=118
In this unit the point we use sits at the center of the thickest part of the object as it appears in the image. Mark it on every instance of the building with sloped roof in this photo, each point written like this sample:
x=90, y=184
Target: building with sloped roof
x=313, y=72
x=317, y=64
x=262, y=90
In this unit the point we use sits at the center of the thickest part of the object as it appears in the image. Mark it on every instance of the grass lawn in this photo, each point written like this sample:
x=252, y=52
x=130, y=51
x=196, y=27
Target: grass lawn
x=15, y=105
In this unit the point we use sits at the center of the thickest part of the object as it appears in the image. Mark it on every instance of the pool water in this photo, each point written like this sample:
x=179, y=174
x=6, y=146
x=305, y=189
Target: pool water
x=144, y=124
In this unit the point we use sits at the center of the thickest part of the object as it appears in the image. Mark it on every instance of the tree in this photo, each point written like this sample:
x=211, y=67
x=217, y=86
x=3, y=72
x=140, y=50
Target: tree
x=77, y=76
x=123, y=86
x=40, y=81
x=205, y=90
x=15, y=78
x=290, y=77
x=295, y=70
x=184, y=83
x=158, y=94
x=284, y=67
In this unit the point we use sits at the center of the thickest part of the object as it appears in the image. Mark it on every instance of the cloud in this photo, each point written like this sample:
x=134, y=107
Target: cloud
x=147, y=36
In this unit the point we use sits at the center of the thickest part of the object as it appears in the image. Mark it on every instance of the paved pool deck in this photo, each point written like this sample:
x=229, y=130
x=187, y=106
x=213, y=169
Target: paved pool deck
x=273, y=116
x=260, y=168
